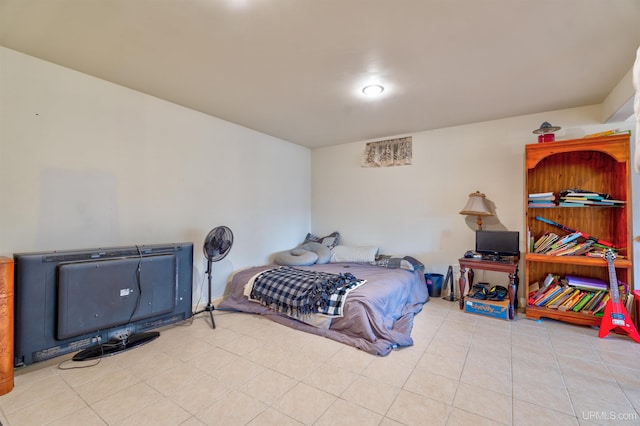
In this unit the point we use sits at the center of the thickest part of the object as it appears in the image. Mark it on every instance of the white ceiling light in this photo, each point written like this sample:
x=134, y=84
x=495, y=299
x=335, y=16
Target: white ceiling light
x=372, y=89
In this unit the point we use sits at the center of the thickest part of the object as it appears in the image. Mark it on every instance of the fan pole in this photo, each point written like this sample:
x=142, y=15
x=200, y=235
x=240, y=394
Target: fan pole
x=209, y=308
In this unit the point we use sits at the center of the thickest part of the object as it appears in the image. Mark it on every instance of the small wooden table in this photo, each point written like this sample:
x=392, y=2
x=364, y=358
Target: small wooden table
x=509, y=266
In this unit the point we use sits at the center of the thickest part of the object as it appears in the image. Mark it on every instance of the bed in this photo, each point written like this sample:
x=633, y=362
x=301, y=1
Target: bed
x=377, y=316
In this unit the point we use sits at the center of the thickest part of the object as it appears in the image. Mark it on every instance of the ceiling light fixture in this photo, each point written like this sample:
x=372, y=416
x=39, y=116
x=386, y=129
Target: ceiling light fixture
x=372, y=89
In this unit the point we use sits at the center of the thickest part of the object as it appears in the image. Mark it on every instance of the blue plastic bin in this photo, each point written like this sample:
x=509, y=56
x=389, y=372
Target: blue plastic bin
x=434, y=284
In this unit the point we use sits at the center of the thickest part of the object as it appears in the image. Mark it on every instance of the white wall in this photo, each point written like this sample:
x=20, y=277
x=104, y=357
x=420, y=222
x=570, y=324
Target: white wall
x=413, y=210
x=86, y=163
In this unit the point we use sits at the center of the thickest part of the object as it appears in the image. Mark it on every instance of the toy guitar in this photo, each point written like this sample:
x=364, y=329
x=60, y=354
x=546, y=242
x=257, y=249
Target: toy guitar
x=616, y=316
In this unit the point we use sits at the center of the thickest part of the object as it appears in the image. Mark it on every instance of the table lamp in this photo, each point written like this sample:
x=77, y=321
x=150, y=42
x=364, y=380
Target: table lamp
x=476, y=206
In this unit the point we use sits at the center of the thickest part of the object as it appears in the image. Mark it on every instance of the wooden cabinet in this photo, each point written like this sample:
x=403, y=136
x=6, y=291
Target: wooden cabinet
x=6, y=325
x=595, y=164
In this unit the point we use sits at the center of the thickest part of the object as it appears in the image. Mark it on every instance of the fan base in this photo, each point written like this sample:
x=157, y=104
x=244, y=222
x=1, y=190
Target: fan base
x=209, y=308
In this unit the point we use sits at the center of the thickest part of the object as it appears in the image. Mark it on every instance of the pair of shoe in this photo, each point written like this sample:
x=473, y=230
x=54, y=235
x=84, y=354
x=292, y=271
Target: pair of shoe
x=496, y=293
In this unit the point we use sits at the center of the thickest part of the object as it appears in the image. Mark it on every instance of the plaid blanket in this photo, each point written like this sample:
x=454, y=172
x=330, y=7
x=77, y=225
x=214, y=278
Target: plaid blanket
x=295, y=291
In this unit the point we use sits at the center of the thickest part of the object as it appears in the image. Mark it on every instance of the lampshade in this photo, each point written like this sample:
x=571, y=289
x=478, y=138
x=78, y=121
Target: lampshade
x=476, y=206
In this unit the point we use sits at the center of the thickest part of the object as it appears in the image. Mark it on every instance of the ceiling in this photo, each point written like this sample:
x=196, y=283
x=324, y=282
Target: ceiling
x=294, y=69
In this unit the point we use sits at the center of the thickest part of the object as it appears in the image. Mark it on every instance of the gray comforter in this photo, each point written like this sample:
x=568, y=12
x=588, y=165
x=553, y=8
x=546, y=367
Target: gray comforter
x=378, y=316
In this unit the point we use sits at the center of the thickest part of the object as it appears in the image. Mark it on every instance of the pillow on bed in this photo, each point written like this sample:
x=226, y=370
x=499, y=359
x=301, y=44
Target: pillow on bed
x=330, y=240
x=353, y=254
x=406, y=262
x=322, y=251
x=295, y=257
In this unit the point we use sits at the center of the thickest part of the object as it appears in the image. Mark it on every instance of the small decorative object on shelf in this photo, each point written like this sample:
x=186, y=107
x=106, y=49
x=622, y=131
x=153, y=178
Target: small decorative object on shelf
x=571, y=238
x=546, y=132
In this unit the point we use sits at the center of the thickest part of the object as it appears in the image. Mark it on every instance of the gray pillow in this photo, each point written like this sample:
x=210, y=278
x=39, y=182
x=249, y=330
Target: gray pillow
x=323, y=252
x=290, y=258
x=330, y=240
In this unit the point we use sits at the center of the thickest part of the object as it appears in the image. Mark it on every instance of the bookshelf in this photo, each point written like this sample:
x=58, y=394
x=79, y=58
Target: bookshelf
x=598, y=164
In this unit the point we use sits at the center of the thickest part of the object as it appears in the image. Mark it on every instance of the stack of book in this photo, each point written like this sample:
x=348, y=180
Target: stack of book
x=569, y=198
x=570, y=245
x=570, y=298
x=542, y=199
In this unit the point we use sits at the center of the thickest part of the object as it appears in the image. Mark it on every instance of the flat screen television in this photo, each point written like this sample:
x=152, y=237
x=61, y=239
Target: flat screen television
x=100, y=301
x=498, y=243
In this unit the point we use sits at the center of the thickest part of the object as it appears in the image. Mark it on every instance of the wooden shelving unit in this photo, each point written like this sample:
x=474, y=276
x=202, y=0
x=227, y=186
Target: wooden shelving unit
x=596, y=164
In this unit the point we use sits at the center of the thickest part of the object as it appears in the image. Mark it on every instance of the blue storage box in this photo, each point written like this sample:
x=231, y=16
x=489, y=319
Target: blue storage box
x=490, y=308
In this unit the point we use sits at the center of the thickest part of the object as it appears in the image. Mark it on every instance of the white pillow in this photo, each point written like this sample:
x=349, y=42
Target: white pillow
x=353, y=254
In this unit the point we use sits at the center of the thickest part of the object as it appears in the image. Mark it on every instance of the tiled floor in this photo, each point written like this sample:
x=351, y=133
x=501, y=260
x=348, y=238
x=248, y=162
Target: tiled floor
x=463, y=369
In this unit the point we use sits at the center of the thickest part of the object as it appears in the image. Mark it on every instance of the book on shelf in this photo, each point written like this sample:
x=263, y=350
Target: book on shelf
x=558, y=298
x=559, y=250
x=544, y=242
x=540, y=294
x=571, y=302
x=543, y=195
x=548, y=295
x=565, y=240
x=582, y=302
x=602, y=304
x=586, y=283
x=563, y=298
x=595, y=300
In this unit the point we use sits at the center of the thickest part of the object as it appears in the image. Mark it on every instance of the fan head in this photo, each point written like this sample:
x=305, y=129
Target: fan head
x=217, y=243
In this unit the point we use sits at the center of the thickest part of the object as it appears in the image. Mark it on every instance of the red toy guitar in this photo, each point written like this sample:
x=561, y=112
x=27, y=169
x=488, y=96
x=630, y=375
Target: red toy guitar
x=616, y=316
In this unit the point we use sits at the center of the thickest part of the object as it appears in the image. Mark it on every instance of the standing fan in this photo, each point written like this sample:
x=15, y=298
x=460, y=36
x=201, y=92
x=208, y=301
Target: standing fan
x=216, y=246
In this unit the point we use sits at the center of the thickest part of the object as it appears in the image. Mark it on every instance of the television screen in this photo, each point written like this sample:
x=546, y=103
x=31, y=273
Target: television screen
x=498, y=243
x=70, y=301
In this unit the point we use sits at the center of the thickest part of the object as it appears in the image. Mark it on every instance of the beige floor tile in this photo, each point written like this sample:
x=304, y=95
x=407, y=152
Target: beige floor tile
x=213, y=359
x=126, y=402
x=605, y=390
x=170, y=380
x=593, y=409
x=486, y=375
x=553, y=398
x=271, y=417
x=352, y=359
x=31, y=392
x=386, y=421
x=242, y=345
x=526, y=414
x=104, y=387
x=83, y=417
x=388, y=370
x=47, y=410
x=450, y=367
x=238, y=373
x=411, y=409
x=485, y=403
x=162, y=412
x=346, y=413
x=296, y=366
x=304, y=403
x=199, y=394
x=458, y=417
x=431, y=385
x=334, y=383
x=192, y=421
x=268, y=386
x=235, y=408
x=152, y=366
x=371, y=394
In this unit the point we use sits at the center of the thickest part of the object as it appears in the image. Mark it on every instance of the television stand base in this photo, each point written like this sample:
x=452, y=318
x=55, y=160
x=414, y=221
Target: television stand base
x=115, y=346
